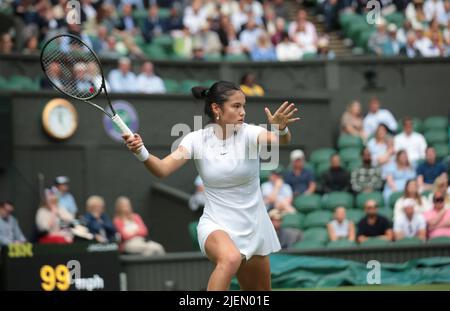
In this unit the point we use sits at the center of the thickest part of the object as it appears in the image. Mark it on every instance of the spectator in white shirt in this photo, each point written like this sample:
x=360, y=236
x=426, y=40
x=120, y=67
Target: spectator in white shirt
x=306, y=40
x=422, y=42
x=194, y=16
x=249, y=37
x=302, y=17
x=377, y=116
x=148, y=82
x=414, y=143
x=410, y=224
x=122, y=80
x=435, y=9
x=288, y=50
x=435, y=49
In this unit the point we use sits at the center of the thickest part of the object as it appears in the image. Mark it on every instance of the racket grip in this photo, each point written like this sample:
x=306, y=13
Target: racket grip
x=123, y=127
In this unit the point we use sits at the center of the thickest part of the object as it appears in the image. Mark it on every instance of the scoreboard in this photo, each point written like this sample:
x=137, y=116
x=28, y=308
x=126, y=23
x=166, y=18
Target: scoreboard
x=52, y=267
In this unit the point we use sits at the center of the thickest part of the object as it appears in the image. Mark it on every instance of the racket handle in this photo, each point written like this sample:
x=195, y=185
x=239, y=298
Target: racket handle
x=123, y=127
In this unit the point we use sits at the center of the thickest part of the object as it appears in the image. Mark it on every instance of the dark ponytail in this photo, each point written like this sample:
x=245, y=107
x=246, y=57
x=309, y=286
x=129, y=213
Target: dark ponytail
x=218, y=93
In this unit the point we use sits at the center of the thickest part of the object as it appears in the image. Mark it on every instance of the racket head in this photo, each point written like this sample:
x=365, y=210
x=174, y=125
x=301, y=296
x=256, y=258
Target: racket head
x=72, y=67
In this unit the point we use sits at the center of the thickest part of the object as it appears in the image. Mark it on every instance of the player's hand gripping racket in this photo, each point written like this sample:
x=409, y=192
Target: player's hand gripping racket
x=74, y=69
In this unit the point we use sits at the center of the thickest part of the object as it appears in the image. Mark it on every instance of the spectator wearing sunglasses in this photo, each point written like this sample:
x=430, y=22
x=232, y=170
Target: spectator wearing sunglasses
x=438, y=219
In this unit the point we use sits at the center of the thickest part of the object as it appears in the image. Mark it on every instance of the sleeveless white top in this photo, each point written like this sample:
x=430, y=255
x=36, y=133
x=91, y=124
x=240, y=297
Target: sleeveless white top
x=234, y=203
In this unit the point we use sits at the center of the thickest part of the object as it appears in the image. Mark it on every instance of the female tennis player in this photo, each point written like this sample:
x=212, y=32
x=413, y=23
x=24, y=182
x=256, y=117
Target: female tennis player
x=235, y=231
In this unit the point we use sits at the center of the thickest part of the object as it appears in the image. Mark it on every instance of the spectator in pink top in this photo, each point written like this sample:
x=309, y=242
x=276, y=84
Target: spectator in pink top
x=438, y=219
x=133, y=231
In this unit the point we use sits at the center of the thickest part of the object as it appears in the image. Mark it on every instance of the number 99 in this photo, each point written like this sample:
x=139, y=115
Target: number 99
x=58, y=277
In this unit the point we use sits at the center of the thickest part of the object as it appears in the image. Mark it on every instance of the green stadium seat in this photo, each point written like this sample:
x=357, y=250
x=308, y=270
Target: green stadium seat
x=342, y=243
x=386, y=212
x=439, y=240
x=417, y=125
x=187, y=85
x=263, y=175
x=193, y=234
x=394, y=197
x=171, y=85
x=434, y=137
x=321, y=168
x=363, y=197
x=155, y=51
x=316, y=234
x=372, y=242
x=236, y=57
x=213, y=57
x=355, y=215
x=308, y=245
x=349, y=141
x=334, y=199
x=435, y=123
x=163, y=12
x=397, y=18
x=317, y=219
x=165, y=41
x=409, y=241
x=441, y=150
x=309, y=166
x=363, y=38
x=353, y=165
x=309, y=55
x=293, y=221
x=321, y=155
x=350, y=154
x=307, y=203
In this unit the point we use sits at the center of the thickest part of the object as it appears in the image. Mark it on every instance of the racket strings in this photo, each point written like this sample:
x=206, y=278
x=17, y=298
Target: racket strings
x=72, y=67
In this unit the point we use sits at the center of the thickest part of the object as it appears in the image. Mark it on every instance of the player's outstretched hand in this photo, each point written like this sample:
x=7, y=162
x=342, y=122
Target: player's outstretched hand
x=283, y=116
x=134, y=143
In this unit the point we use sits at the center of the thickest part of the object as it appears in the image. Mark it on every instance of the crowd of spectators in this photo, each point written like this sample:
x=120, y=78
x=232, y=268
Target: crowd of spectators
x=59, y=221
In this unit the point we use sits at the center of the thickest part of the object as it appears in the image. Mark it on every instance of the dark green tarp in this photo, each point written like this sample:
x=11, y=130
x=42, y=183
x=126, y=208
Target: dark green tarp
x=291, y=271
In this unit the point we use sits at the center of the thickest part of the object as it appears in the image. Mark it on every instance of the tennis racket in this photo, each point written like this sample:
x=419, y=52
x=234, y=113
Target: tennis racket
x=73, y=69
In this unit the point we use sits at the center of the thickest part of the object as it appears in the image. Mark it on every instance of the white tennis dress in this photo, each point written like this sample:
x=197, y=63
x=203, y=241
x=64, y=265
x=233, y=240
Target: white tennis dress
x=234, y=203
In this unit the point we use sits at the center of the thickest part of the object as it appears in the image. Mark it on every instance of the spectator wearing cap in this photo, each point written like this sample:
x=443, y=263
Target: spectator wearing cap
x=122, y=79
x=336, y=178
x=300, y=179
x=428, y=171
x=373, y=225
x=411, y=192
x=391, y=46
x=438, y=219
x=65, y=198
x=340, y=227
x=277, y=194
x=410, y=223
x=366, y=178
x=10, y=231
x=377, y=116
x=412, y=142
x=286, y=236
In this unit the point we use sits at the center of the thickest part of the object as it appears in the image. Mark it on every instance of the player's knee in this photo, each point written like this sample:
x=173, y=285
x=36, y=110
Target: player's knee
x=230, y=262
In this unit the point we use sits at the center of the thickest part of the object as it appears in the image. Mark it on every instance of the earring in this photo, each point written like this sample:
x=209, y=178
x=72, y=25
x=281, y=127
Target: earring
x=217, y=118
